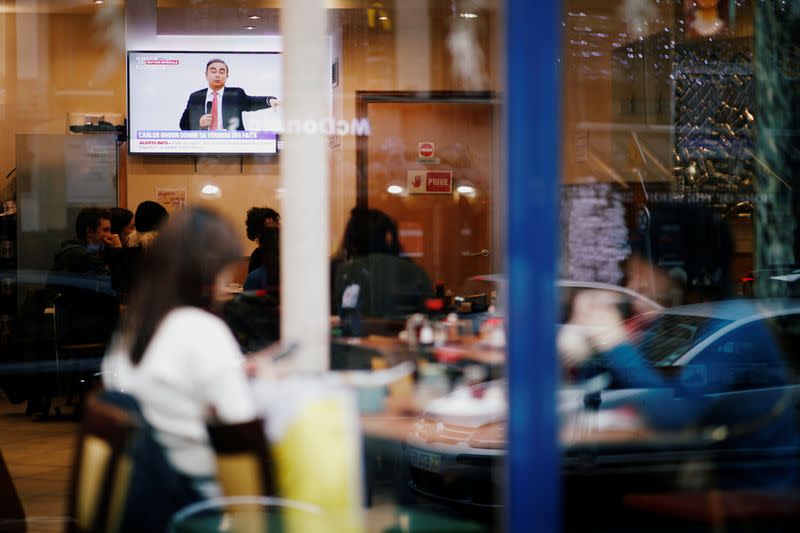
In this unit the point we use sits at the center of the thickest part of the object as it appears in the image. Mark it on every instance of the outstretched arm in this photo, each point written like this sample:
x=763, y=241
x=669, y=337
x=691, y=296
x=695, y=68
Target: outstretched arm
x=255, y=103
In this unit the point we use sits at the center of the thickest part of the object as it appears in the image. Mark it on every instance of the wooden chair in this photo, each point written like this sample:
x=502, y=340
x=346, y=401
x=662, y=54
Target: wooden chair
x=102, y=469
x=79, y=350
x=244, y=462
x=244, y=470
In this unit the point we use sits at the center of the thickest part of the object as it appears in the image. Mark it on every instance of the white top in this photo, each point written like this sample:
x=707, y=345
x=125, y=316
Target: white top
x=210, y=98
x=191, y=364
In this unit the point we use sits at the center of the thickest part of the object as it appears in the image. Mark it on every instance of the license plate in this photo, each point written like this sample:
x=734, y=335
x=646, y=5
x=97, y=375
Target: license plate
x=424, y=460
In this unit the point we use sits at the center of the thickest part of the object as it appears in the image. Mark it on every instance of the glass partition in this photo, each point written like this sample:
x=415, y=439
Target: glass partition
x=449, y=265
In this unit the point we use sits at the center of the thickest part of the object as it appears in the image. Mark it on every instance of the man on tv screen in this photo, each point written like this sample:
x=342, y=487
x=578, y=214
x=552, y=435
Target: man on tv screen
x=219, y=107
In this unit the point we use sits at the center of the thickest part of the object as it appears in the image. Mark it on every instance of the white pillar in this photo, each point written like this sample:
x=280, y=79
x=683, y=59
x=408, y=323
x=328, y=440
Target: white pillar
x=304, y=176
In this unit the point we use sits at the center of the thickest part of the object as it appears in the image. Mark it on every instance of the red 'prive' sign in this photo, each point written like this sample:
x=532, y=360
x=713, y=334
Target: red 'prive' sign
x=429, y=181
x=439, y=181
x=426, y=149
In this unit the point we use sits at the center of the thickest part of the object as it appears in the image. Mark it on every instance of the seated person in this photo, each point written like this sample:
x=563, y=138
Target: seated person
x=86, y=252
x=377, y=280
x=122, y=223
x=716, y=390
x=267, y=275
x=149, y=218
x=86, y=307
x=123, y=260
x=173, y=353
x=254, y=316
x=259, y=218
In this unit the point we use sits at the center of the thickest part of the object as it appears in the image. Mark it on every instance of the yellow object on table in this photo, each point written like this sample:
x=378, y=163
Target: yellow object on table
x=313, y=428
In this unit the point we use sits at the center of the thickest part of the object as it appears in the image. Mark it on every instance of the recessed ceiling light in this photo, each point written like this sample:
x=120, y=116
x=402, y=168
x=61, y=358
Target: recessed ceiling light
x=468, y=15
x=465, y=189
x=394, y=189
x=254, y=17
x=249, y=27
x=383, y=17
x=98, y=1
x=211, y=190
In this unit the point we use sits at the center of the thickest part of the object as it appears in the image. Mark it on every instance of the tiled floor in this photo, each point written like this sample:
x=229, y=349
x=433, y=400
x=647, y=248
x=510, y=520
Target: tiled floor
x=38, y=455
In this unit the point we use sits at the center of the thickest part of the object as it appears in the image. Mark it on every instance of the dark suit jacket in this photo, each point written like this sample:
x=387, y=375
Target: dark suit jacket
x=234, y=101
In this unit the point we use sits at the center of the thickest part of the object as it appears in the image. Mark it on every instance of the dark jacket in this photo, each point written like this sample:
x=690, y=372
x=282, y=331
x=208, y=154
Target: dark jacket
x=389, y=286
x=75, y=256
x=234, y=102
x=255, y=260
x=86, y=307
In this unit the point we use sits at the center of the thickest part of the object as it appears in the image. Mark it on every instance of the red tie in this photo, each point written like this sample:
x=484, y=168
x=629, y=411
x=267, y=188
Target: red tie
x=214, y=113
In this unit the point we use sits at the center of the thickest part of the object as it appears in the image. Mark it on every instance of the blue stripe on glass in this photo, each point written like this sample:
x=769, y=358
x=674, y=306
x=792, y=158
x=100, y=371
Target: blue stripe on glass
x=532, y=119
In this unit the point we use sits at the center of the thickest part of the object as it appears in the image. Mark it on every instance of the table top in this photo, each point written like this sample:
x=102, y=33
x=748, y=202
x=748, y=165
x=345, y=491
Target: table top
x=397, y=426
x=400, y=417
x=468, y=349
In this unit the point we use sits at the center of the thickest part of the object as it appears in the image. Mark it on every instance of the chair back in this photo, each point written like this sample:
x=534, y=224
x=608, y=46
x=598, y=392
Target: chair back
x=101, y=469
x=244, y=462
x=84, y=316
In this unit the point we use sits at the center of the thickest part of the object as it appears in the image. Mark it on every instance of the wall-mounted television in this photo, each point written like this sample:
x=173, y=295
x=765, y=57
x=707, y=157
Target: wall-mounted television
x=172, y=108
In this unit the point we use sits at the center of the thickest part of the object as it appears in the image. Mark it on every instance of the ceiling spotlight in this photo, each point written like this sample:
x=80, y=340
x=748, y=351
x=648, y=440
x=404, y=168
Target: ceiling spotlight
x=383, y=17
x=254, y=17
x=394, y=189
x=249, y=27
x=468, y=15
x=465, y=189
x=98, y=2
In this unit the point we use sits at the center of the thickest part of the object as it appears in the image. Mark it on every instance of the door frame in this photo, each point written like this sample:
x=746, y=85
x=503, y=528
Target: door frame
x=364, y=98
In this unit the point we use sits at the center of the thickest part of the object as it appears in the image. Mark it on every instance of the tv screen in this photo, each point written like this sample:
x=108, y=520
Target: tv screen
x=172, y=108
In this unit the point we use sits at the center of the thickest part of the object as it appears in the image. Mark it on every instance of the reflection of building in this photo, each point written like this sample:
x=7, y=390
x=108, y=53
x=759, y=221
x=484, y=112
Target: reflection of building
x=702, y=92
x=684, y=112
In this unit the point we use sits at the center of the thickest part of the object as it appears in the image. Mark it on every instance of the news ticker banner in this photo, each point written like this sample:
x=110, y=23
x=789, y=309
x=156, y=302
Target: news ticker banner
x=205, y=141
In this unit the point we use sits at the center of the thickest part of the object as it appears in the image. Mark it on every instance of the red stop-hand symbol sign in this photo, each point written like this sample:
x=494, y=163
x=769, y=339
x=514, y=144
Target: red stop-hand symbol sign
x=426, y=149
x=417, y=181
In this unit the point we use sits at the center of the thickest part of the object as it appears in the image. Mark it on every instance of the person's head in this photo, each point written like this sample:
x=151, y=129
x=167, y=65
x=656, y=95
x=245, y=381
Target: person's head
x=370, y=231
x=150, y=216
x=122, y=222
x=694, y=238
x=256, y=220
x=93, y=225
x=187, y=266
x=216, y=74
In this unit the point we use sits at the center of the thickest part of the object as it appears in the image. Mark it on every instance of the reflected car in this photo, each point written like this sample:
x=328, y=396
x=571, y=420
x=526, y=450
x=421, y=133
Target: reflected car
x=730, y=372
x=629, y=302
x=488, y=289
